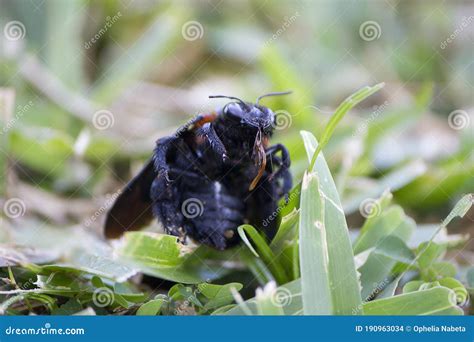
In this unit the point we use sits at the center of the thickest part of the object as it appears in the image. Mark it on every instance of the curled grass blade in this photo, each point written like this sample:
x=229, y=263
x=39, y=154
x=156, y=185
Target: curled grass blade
x=343, y=108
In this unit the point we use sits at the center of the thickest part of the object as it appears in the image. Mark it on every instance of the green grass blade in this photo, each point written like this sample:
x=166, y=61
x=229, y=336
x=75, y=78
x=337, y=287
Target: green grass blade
x=435, y=301
x=459, y=210
x=325, y=234
x=343, y=108
x=264, y=251
x=159, y=38
x=314, y=263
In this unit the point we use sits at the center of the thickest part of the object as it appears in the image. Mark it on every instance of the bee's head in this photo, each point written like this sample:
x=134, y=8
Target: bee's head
x=250, y=116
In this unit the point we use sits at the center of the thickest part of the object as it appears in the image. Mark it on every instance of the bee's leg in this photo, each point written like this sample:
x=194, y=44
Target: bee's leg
x=215, y=142
x=163, y=145
x=283, y=171
x=165, y=198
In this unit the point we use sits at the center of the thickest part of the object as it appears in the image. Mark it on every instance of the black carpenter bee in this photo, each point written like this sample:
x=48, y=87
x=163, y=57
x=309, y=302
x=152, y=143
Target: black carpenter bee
x=214, y=174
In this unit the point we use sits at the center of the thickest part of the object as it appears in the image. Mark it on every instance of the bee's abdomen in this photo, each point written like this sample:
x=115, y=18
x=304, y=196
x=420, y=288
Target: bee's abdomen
x=212, y=214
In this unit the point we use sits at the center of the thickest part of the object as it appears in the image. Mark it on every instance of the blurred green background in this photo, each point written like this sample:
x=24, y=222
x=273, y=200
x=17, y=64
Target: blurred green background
x=95, y=83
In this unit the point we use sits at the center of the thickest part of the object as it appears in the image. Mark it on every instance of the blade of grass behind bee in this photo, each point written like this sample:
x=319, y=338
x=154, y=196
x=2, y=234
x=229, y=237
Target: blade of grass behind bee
x=266, y=253
x=343, y=108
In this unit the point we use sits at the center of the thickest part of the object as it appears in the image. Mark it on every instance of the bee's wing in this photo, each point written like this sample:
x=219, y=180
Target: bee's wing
x=133, y=208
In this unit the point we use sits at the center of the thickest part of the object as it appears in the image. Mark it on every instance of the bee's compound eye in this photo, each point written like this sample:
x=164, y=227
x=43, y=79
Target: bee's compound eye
x=225, y=110
x=233, y=110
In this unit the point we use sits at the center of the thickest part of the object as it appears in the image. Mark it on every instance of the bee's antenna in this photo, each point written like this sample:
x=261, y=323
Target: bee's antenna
x=228, y=97
x=273, y=94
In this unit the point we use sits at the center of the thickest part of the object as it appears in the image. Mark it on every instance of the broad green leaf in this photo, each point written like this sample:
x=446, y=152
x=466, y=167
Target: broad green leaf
x=164, y=257
x=428, y=252
x=444, y=269
x=82, y=262
x=395, y=248
x=392, y=221
x=218, y=295
x=71, y=307
x=327, y=255
x=150, y=308
x=223, y=310
x=376, y=273
x=460, y=292
x=412, y=286
x=434, y=301
x=101, y=265
x=383, y=234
